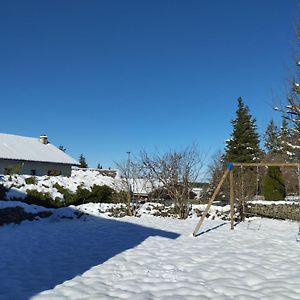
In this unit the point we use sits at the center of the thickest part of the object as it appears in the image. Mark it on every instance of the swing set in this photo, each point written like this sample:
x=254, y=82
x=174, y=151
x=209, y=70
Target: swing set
x=229, y=171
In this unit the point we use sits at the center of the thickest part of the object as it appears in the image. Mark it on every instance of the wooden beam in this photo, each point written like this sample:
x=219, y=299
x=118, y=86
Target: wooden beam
x=266, y=164
x=210, y=202
x=231, y=200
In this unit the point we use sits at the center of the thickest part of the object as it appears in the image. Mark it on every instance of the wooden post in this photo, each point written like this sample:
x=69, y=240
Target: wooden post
x=242, y=212
x=231, y=200
x=210, y=202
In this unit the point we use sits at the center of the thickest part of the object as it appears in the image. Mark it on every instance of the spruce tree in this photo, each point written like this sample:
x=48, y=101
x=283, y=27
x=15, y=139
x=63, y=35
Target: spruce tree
x=243, y=145
x=62, y=148
x=284, y=140
x=272, y=142
x=82, y=161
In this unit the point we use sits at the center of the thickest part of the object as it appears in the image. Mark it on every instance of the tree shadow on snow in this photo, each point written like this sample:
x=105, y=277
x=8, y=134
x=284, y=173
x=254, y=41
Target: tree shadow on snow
x=37, y=256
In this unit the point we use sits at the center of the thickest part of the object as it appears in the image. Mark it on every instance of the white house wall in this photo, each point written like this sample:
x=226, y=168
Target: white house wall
x=41, y=168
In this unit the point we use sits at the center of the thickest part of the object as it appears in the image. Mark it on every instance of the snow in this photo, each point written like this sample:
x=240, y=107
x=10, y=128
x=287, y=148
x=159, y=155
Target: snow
x=289, y=200
x=97, y=257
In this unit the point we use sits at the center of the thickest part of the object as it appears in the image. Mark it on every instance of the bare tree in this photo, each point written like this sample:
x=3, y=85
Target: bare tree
x=291, y=110
x=123, y=185
x=216, y=169
x=175, y=171
x=131, y=184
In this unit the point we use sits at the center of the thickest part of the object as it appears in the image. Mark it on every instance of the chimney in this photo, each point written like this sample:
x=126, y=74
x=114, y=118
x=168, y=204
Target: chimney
x=44, y=139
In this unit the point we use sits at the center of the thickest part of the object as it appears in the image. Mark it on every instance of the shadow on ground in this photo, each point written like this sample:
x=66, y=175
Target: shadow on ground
x=211, y=229
x=37, y=256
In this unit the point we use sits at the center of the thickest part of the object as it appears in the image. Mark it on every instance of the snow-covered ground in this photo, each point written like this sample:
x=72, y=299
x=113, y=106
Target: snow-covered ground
x=97, y=257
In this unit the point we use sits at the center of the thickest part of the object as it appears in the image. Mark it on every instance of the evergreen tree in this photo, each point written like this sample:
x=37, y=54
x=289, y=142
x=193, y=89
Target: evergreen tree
x=272, y=142
x=243, y=145
x=284, y=140
x=274, y=187
x=62, y=148
x=82, y=161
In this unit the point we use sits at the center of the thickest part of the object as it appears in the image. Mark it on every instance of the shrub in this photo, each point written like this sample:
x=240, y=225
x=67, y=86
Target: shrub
x=16, y=169
x=98, y=193
x=120, y=197
x=69, y=197
x=42, y=199
x=31, y=180
x=274, y=187
x=82, y=196
x=101, y=193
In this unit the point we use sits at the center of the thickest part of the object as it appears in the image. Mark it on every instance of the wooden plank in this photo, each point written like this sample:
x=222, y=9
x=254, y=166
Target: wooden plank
x=231, y=200
x=210, y=202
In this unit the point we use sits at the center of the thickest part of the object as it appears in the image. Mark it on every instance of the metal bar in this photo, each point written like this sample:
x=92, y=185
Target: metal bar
x=265, y=164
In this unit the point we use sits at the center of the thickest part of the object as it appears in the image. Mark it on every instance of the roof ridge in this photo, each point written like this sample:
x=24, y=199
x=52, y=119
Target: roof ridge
x=17, y=135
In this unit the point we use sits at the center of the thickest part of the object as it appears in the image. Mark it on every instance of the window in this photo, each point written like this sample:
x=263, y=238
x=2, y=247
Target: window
x=54, y=172
x=32, y=172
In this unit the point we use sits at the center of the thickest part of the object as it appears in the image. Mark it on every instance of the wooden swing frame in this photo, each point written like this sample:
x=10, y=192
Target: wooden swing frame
x=229, y=171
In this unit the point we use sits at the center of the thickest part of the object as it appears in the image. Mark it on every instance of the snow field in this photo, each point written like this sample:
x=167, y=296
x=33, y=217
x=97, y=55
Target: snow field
x=218, y=264
x=98, y=257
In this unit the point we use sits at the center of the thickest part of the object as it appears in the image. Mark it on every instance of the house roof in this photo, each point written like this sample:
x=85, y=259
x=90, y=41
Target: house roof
x=31, y=149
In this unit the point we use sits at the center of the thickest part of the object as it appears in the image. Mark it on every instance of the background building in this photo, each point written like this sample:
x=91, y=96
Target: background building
x=33, y=156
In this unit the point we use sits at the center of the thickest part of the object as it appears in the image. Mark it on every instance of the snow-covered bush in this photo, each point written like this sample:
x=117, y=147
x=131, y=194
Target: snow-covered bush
x=69, y=197
x=31, y=180
x=101, y=193
x=42, y=199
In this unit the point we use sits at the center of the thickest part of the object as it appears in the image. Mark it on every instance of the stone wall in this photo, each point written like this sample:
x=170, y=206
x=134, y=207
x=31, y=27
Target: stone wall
x=275, y=211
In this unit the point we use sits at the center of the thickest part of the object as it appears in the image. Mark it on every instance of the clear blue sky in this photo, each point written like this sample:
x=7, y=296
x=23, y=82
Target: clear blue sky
x=106, y=77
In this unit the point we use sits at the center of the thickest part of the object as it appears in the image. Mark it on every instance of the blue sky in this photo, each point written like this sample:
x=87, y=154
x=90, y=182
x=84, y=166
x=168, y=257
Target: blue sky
x=106, y=77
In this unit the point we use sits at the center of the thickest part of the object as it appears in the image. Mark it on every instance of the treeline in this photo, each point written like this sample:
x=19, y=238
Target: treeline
x=281, y=145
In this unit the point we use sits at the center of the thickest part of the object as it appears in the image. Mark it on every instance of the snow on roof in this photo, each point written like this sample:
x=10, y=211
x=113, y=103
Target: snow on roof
x=31, y=149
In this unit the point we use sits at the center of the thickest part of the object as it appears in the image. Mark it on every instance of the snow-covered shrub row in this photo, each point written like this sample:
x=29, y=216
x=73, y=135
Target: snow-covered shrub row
x=149, y=208
x=58, y=191
x=84, y=179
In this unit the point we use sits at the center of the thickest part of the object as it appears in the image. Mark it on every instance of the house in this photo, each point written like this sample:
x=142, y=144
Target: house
x=33, y=156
